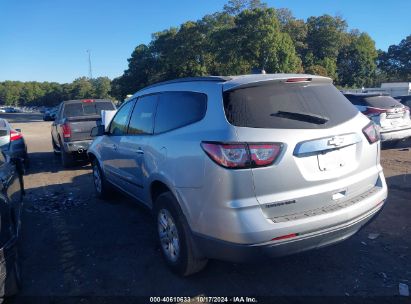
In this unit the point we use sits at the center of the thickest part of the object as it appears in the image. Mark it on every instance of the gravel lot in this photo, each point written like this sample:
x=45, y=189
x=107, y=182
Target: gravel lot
x=73, y=244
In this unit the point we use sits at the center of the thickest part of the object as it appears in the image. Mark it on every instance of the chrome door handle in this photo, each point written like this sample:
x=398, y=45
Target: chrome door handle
x=140, y=151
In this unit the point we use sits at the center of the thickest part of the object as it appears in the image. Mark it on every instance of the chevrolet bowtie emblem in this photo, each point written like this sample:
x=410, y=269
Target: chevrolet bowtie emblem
x=336, y=141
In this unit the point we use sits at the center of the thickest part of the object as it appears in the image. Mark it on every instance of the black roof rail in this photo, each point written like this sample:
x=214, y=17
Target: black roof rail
x=191, y=79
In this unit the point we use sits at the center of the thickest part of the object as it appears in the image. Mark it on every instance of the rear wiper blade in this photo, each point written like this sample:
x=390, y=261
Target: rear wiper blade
x=301, y=116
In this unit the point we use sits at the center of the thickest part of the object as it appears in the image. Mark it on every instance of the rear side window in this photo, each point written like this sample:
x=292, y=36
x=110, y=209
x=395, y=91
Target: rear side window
x=142, y=118
x=119, y=123
x=288, y=106
x=86, y=108
x=178, y=109
x=2, y=158
x=3, y=128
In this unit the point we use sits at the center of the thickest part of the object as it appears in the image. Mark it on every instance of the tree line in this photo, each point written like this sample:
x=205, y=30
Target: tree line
x=34, y=93
x=245, y=35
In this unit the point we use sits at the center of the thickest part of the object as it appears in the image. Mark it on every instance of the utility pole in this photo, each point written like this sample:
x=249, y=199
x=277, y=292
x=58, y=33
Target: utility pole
x=90, y=73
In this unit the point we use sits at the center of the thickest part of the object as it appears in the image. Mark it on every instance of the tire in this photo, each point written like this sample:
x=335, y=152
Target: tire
x=171, y=223
x=56, y=149
x=66, y=158
x=12, y=282
x=101, y=186
x=26, y=162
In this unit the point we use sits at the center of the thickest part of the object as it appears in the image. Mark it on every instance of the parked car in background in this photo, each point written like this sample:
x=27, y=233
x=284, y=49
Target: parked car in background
x=236, y=168
x=43, y=109
x=8, y=110
x=12, y=191
x=12, y=142
x=50, y=115
x=405, y=100
x=70, y=131
x=390, y=116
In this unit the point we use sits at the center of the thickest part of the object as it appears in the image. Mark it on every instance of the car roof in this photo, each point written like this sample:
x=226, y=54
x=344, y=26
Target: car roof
x=231, y=82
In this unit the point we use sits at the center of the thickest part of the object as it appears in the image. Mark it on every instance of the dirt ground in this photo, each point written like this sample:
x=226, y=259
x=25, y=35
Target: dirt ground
x=73, y=244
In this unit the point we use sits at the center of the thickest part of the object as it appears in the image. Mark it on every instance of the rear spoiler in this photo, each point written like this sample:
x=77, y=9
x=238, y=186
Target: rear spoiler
x=241, y=83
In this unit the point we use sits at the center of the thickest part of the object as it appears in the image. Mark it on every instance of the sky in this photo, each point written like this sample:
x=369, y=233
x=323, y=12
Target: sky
x=47, y=40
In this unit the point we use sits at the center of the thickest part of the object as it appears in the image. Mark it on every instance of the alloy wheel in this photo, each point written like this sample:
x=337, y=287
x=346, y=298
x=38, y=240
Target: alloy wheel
x=169, y=238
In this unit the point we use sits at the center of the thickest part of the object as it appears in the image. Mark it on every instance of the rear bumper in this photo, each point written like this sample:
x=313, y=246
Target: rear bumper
x=395, y=134
x=77, y=146
x=242, y=233
x=222, y=250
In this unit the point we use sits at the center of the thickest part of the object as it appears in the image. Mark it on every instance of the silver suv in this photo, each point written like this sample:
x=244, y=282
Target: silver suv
x=237, y=168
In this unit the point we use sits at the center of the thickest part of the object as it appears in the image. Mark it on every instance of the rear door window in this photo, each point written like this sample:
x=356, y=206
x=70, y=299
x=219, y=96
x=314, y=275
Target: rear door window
x=288, y=106
x=142, y=118
x=178, y=109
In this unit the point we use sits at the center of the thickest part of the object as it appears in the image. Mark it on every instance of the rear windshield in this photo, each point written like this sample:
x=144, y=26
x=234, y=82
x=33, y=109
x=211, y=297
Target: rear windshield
x=87, y=108
x=288, y=106
x=384, y=102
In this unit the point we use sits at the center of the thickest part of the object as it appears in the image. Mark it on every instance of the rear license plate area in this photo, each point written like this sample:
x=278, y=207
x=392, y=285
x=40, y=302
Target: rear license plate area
x=331, y=160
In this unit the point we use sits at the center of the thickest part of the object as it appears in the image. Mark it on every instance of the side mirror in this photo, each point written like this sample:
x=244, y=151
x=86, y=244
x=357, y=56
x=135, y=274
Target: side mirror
x=97, y=131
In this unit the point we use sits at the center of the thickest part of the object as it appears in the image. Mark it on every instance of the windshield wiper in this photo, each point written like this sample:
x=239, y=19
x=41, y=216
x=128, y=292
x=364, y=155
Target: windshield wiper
x=301, y=116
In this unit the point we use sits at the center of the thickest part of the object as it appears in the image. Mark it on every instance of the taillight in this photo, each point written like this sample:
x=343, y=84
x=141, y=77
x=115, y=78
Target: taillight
x=227, y=155
x=370, y=111
x=371, y=133
x=87, y=100
x=264, y=154
x=66, y=130
x=14, y=135
x=294, y=80
x=242, y=155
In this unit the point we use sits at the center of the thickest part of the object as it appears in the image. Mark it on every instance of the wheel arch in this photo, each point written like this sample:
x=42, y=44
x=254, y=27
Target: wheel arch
x=157, y=188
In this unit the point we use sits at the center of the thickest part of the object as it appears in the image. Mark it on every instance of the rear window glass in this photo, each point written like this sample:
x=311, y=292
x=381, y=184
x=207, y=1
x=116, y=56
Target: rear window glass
x=86, y=108
x=288, y=106
x=384, y=102
x=178, y=109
